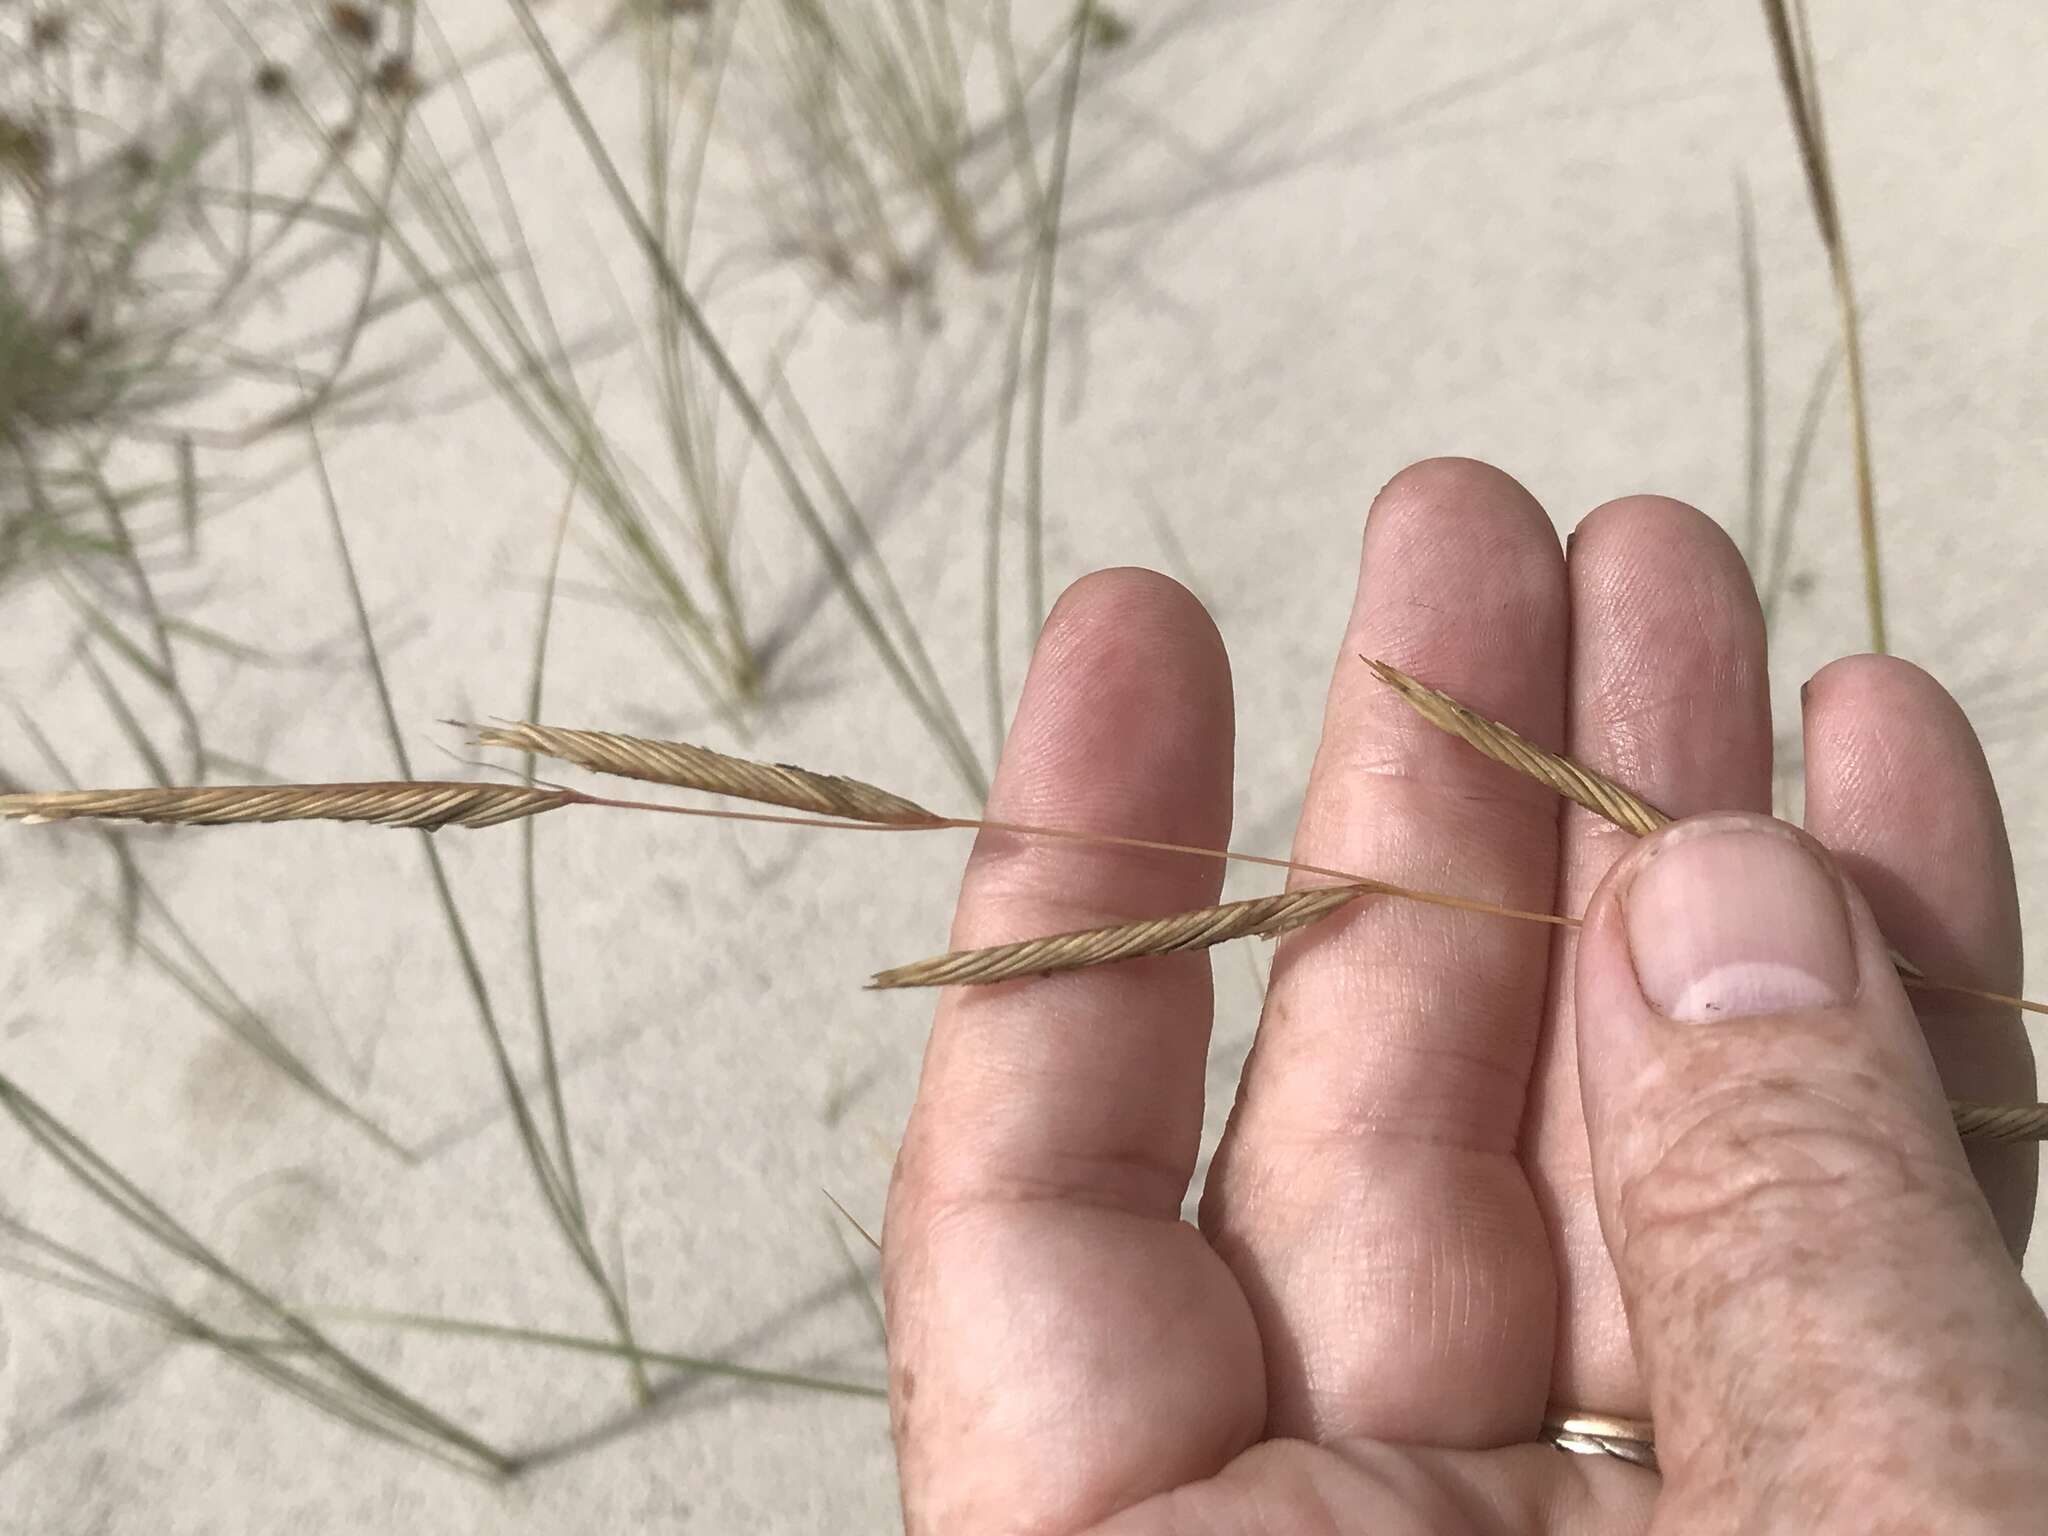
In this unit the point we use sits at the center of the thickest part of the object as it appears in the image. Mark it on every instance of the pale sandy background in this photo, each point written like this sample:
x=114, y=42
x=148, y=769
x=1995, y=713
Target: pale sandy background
x=1310, y=242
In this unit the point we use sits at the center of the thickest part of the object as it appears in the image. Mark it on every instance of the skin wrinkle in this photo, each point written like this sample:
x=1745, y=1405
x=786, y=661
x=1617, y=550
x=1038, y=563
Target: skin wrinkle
x=1132, y=1185
x=1137, y=1176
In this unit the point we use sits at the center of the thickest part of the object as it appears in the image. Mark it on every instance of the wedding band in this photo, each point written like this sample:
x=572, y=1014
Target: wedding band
x=1602, y=1434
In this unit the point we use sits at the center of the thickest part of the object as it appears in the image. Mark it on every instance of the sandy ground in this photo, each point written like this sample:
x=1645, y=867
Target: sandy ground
x=1310, y=243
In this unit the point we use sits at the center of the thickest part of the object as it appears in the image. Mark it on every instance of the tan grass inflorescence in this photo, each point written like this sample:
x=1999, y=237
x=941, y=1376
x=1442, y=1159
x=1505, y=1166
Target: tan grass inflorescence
x=425, y=805
x=1262, y=917
x=1999, y=1122
x=1597, y=793
x=854, y=804
x=685, y=766
x=1591, y=791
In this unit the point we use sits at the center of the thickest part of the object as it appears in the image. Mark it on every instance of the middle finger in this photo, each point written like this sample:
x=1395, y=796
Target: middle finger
x=1367, y=1192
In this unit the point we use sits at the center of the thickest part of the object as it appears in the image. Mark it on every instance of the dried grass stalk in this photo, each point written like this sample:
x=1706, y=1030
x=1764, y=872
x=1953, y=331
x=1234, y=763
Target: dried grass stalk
x=429, y=806
x=1597, y=793
x=1792, y=45
x=425, y=805
x=1999, y=1122
x=1264, y=916
x=1582, y=786
x=688, y=767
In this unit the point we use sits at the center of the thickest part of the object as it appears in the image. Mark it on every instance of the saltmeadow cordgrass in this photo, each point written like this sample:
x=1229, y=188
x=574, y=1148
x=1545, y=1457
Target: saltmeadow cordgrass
x=881, y=617
x=876, y=132
x=286, y=1349
x=550, y=1170
x=133, y=266
x=250, y=1325
x=150, y=926
x=672, y=553
x=891, y=159
x=860, y=806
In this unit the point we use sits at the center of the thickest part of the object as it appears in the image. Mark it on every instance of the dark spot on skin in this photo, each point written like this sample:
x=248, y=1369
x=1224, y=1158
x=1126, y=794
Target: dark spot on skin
x=902, y=1389
x=271, y=78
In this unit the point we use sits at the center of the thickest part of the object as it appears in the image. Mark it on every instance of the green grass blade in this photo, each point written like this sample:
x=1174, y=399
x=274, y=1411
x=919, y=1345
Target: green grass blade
x=935, y=710
x=1792, y=45
x=543, y=1338
x=546, y=1175
x=551, y=1074
x=1777, y=570
x=1041, y=340
x=197, y=976
x=128, y=1201
x=124, y=717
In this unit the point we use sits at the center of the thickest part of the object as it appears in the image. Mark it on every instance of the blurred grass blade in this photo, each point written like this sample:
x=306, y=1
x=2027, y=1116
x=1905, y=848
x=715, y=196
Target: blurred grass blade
x=543, y=1338
x=931, y=706
x=1041, y=340
x=546, y=1175
x=551, y=1075
x=1792, y=44
x=356, y=1392
x=1777, y=572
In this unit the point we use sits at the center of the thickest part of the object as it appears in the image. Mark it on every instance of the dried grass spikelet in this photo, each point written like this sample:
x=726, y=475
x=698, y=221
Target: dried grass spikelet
x=1267, y=916
x=685, y=766
x=1262, y=917
x=432, y=805
x=427, y=806
x=1597, y=793
x=1601, y=795
x=1582, y=786
x=1999, y=1122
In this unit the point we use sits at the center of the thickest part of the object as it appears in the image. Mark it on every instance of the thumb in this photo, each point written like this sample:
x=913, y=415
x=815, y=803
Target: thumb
x=1829, y=1327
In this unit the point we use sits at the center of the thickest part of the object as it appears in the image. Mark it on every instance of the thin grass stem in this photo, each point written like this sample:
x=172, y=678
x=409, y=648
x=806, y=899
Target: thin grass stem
x=361, y=1395
x=934, y=709
x=546, y=1339
x=546, y=1175
x=551, y=1075
x=1792, y=46
x=1041, y=339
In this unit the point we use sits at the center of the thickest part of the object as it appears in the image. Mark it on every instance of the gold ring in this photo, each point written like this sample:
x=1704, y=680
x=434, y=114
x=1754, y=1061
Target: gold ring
x=1602, y=1434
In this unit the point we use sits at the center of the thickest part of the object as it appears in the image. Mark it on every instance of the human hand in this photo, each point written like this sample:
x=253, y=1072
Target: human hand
x=1474, y=1169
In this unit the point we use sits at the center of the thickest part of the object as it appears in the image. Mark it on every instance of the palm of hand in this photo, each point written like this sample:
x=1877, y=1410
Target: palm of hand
x=1399, y=1262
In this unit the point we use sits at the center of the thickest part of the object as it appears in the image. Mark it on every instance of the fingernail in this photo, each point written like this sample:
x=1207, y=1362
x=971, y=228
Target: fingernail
x=1731, y=920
